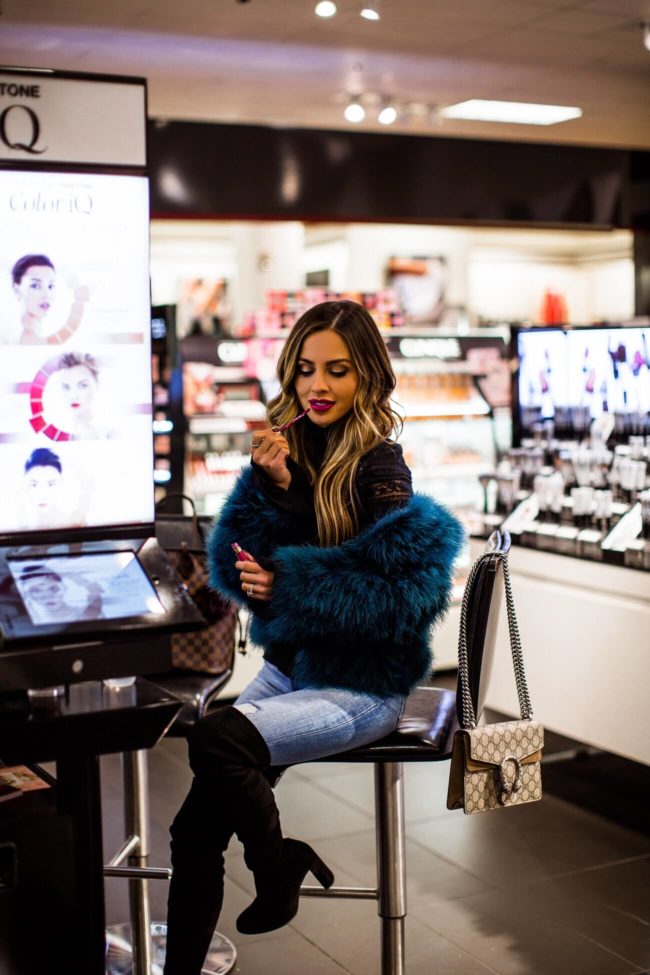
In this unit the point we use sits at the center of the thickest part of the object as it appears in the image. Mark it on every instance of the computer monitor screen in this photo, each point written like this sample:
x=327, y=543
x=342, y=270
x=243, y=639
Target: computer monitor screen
x=75, y=588
x=574, y=375
x=76, y=442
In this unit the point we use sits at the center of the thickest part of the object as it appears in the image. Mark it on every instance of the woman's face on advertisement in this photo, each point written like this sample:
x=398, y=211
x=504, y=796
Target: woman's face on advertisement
x=43, y=485
x=327, y=380
x=36, y=290
x=77, y=385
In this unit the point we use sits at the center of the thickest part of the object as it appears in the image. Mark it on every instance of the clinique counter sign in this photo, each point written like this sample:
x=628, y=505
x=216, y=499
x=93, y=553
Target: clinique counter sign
x=49, y=119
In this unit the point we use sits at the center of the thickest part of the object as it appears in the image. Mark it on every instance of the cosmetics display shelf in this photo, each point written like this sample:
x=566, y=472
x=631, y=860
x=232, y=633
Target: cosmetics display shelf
x=623, y=545
x=588, y=500
x=452, y=412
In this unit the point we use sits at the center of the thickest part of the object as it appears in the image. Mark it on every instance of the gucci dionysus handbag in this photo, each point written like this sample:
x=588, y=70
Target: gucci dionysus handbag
x=210, y=650
x=494, y=765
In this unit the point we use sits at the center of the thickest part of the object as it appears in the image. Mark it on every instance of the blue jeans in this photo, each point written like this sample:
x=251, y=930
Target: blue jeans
x=302, y=725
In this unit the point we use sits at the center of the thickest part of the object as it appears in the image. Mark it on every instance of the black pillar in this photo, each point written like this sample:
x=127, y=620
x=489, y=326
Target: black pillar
x=642, y=272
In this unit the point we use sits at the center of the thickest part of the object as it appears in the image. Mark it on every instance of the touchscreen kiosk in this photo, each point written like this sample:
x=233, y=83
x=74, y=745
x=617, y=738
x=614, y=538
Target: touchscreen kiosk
x=70, y=589
x=78, y=563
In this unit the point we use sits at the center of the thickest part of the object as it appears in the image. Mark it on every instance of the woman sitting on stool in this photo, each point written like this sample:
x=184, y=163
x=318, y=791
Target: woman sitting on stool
x=344, y=570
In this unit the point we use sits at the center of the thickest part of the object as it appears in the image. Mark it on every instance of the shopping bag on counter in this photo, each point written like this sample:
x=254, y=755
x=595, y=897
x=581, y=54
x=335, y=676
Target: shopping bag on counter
x=494, y=765
x=212, y=649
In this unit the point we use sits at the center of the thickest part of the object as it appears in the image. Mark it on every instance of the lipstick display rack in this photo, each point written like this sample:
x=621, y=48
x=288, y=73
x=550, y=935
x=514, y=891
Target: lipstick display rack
x=586, y=500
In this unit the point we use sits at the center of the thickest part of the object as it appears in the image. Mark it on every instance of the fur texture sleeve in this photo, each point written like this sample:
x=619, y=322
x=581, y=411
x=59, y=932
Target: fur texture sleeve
x=395, y=576
x=247, y=517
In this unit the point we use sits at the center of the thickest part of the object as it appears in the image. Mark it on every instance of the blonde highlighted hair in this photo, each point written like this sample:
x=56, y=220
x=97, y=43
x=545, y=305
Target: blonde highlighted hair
x=370, y=421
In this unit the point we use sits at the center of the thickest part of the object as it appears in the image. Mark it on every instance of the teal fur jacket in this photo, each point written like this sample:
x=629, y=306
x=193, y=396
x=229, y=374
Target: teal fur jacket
x=357, y=615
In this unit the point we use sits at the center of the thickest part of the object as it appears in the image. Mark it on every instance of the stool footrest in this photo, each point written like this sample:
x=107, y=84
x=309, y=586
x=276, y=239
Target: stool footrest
x=365, y=893
x=140, y=873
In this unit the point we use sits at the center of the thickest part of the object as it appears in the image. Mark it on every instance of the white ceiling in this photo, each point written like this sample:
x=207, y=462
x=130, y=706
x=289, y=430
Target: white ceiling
x=274, y=62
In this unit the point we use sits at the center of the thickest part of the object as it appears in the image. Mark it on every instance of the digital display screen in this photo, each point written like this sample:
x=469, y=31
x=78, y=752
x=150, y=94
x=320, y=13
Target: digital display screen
x=76, y=444
x=582, y=370
x=74, y=588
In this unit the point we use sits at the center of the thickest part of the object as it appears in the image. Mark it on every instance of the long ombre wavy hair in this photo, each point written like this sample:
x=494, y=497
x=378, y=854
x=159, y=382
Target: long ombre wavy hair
x=370, y=421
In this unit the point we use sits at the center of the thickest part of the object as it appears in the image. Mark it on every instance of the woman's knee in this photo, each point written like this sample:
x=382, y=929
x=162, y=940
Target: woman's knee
x=225, y=737
x=211, y=729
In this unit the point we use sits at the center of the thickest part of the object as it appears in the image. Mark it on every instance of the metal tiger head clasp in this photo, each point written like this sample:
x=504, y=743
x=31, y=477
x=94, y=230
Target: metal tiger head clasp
x=508, y=787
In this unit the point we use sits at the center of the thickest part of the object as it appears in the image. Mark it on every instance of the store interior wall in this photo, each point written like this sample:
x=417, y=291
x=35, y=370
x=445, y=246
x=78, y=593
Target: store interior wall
x=491, y=274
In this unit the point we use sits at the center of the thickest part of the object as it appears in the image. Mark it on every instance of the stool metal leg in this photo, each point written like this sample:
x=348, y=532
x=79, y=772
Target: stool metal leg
x=391, y=864
x=139, y=948
x=136, y=814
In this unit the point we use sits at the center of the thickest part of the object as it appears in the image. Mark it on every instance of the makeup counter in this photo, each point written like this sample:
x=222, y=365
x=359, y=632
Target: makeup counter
x=574, y=494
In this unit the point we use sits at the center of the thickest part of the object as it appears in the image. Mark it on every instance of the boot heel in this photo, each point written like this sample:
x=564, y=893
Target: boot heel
x=321, y=872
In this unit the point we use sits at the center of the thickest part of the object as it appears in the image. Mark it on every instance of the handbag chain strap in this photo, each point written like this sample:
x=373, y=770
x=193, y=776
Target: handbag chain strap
x=468, y=716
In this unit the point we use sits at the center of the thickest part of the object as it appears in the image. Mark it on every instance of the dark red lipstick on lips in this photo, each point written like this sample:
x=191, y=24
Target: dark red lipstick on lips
x=320, y=405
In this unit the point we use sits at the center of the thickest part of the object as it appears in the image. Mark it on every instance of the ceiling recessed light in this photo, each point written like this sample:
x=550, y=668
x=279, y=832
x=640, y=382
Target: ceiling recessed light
x=354, y=111
x=326, y=8
x=519, y=113
x=387, y=115
x=370, y=10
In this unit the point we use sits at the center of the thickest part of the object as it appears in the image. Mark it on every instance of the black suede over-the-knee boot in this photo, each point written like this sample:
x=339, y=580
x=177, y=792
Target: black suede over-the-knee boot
x=227, y=747
x=200, y=834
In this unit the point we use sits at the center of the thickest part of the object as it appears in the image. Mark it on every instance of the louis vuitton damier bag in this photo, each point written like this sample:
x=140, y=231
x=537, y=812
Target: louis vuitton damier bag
x=210, y=650
x=497, y=764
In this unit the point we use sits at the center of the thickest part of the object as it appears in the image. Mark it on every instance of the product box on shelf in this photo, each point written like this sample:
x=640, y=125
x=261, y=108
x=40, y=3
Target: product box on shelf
x=283, y=308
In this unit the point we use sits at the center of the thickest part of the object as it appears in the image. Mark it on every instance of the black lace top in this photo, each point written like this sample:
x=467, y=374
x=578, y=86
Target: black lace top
x=383, y=483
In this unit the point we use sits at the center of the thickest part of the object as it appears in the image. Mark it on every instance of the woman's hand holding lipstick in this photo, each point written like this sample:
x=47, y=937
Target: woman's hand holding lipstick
x=256, y=582
x=269, y=450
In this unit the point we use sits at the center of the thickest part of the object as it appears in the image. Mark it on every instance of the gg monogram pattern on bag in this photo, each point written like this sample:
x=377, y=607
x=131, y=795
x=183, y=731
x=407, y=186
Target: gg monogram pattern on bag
x=491, y=743
x=510, y=780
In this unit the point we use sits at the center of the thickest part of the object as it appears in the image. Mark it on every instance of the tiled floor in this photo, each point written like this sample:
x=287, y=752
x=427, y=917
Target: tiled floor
x=546, y=889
